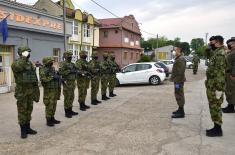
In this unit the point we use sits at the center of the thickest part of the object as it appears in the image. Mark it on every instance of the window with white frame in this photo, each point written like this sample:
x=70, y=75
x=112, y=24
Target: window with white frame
x=86, y=30
x=75, y=27
x=74, y=49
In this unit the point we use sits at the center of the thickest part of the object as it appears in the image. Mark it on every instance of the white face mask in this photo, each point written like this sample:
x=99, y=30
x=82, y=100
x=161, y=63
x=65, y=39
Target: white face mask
x=25, y=54
x=173, y=53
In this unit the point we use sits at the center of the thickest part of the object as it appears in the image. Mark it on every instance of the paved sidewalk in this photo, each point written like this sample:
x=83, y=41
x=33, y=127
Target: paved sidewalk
x=136, y=122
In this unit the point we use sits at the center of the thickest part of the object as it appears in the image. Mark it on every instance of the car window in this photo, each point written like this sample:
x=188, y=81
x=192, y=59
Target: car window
x=130, y=68
x=141, y=67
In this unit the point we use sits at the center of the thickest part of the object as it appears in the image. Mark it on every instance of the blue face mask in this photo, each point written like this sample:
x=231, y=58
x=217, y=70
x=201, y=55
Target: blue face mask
x=177, y=86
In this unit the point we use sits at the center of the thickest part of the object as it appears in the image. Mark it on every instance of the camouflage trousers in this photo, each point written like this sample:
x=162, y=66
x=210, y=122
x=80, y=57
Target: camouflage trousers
x=112, y=82
x=104, y=83
x=95, y=87
x=179, y=94
x=214, y=104
x=68, y=92
x=83, y=85
x=25, y=109
x=230, y=90
x=195, y=68
x=50, y=101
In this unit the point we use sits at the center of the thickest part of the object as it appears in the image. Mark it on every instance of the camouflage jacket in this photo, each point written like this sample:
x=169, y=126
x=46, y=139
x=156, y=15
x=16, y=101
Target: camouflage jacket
x=209, y=53
x=49, y=78
x=83, y=67
x=114, y=68
x=196, y=59
x=178, y=70
x=230, y=59
x=216, y=70
x=95, y=67
x=68, y=71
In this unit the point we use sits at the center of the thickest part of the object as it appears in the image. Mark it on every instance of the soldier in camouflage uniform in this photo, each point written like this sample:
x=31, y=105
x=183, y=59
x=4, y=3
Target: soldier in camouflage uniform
x=215, y=86
x=83, y=80
x=114, y=69
x=230, y=78
x=178, y=77
x=105, y=64
x=210, y=49
x=51, y=84
x=94, y=66
x=69, y=73
x=196, y=61
x=26, y=90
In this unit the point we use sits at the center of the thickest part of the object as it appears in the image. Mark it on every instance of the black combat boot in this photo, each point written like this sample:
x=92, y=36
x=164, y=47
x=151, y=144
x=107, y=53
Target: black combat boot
x=29, y=130
x=177, y=111
x=105, y=98
x=111, y=94
x=72, y=112
x=215, y=132
x=50, y=122
x=97, y=101
x=23, y=131
x=55, y=121
x=179, y=114
x=67, y=113
x=86, y=106
x=229, y=109
x=82, y=107
x=93, y=102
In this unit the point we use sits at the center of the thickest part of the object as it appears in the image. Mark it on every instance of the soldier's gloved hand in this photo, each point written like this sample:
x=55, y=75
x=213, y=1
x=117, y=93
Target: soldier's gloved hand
x=218, y=94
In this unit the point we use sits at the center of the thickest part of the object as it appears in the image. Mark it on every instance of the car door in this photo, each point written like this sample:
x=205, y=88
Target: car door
x=128, y=74
x=143, y=72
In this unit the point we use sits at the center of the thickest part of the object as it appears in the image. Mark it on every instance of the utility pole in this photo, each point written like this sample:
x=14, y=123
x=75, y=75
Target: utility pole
x=64, y=21
x=206, y=38
x=157, y=40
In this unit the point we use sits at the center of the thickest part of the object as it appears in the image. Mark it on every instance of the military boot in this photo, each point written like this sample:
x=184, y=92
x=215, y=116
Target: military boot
x=179, y=114
x=68, y=113
x=111, y=94
x=177, y=111
x=215, y=132
x=105, y=98
x=23, y=131
x=50, y=122
x=97, y=101
x=72, y=112
x=93, y=102
x=82, y=107
x=86, y=106
x=29, y=130
x=229, y=109
x=55, y=121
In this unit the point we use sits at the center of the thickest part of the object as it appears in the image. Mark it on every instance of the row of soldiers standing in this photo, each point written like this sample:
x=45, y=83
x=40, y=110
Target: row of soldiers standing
x=68, y=75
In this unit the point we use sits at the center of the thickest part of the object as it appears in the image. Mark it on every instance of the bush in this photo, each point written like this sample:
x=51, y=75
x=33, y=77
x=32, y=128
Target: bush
x=145, y=58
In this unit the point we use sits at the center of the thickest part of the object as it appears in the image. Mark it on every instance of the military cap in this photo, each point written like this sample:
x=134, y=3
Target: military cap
x=94, y=54
x=231, y=40
x=67, y=54
x=23, y=49
x=82, y=53
x=212, y=38
x=47, y=60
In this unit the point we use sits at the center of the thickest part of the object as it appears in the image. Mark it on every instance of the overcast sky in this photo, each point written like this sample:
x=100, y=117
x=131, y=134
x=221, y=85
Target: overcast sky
x=186, y=19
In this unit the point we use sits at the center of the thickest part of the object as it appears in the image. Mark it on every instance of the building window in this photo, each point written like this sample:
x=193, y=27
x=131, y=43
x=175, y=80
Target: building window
x=106, y=34
x=75, y=28
x=74, y=49
x=56, y=54
x=125, y=55
x=116, y=31
x=131, y=55
x=86, y=30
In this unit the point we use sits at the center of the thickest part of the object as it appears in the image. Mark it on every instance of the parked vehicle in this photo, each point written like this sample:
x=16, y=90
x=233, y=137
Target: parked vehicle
x=166, y=69
x=169, y=64
x=189, y=63
x=137, y=73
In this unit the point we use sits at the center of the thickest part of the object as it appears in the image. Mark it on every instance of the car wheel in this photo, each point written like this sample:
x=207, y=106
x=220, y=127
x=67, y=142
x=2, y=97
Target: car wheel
x=154, y=80
x=117, y=82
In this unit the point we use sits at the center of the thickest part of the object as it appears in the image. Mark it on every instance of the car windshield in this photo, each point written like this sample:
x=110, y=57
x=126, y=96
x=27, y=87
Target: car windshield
x=160, y=64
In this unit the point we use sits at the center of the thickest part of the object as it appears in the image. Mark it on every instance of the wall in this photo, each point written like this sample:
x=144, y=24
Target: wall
x=113, y=40
x=51, y=8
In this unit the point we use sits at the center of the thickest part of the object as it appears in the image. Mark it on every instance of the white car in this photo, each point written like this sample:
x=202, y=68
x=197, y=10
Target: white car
x=148, y=72
x=169, y=64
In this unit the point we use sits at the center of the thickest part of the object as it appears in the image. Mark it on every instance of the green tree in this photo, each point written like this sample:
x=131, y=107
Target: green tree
x=197, y=45
x=185, y=48
x=145, y=58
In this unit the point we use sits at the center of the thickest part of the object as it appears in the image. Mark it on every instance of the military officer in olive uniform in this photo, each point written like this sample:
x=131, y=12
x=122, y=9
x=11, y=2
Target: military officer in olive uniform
x=26, y=90
x=95, y=69
x=83, y=80
x=51, y=86
x=196, y=61
x=105, y=64
x=114, y=69
x=230, y=77
x=68, y=72
x=215, y=86
x=178, y=77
